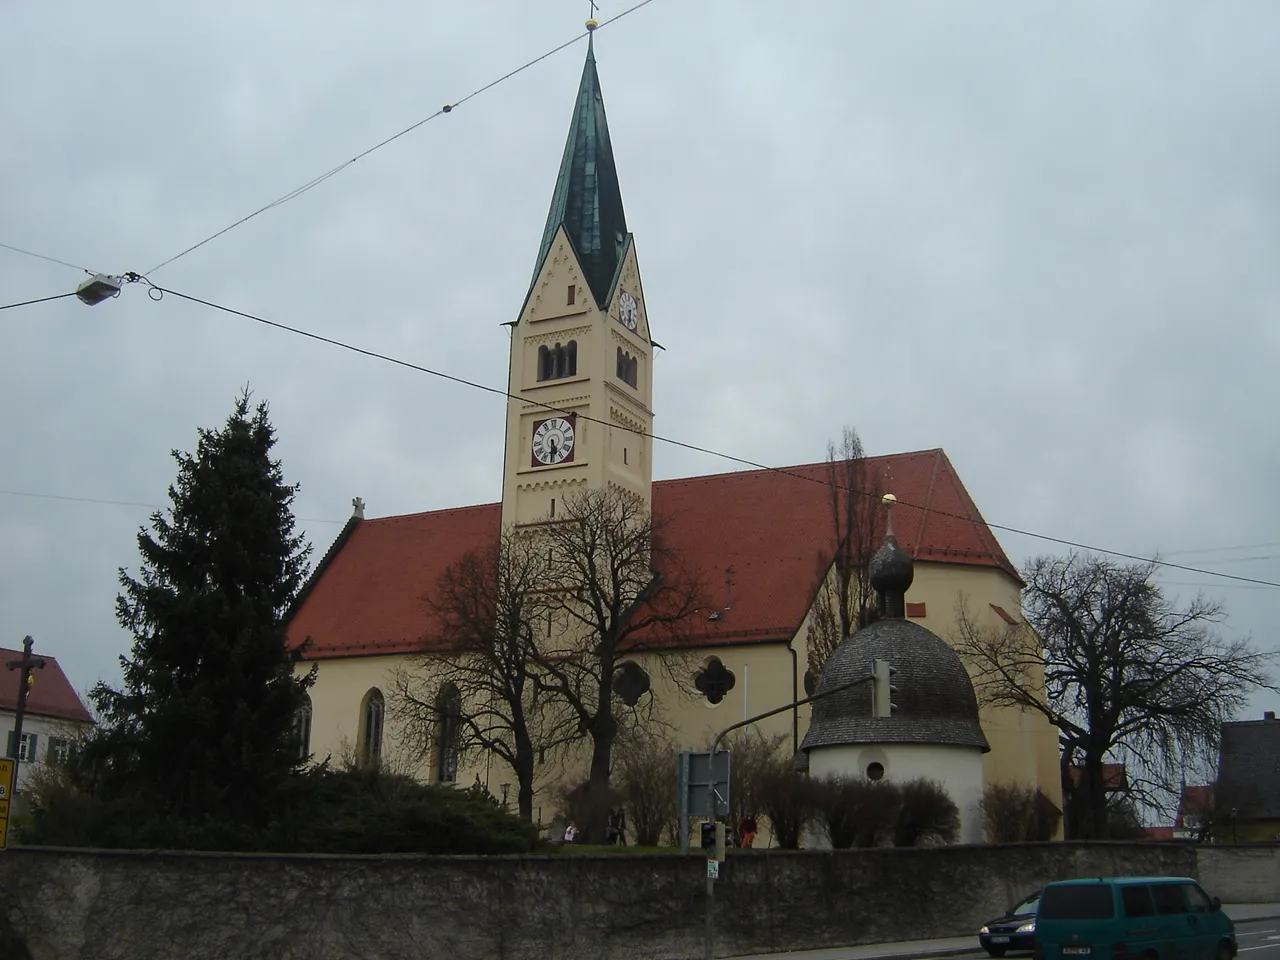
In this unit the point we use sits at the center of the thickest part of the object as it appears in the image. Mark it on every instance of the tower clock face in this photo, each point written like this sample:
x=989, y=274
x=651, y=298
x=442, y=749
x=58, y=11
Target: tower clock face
x=552, y=441
x=628, y=310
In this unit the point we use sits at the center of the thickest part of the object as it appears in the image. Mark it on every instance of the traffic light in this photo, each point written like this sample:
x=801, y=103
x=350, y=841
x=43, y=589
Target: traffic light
x=883, y=690
x=708, y=835
x=714, y=837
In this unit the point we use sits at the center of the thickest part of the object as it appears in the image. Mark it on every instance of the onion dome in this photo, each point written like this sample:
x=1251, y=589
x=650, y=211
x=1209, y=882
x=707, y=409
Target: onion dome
x=934, y=697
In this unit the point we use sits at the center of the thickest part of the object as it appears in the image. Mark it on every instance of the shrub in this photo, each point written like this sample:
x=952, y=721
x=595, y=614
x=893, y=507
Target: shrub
x=787, y=799
x=927, y=815
x=836, y=805
x=879, y=806
x=1013, y=813
x=752, y=756
x=316, y=811
x=646, y=778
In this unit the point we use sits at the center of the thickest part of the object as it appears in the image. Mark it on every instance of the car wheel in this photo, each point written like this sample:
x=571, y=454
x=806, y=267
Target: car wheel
x=999, y=951
x=1224, y=951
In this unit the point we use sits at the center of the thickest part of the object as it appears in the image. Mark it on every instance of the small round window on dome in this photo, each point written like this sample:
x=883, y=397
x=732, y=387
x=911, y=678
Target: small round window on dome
x=875, y=771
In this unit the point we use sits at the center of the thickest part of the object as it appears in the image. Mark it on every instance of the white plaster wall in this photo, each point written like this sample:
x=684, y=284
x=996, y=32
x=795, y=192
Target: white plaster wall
x=44, y=728
x=958, y=769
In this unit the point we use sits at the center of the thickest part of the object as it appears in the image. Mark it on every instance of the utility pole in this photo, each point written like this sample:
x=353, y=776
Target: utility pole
x=26, y=664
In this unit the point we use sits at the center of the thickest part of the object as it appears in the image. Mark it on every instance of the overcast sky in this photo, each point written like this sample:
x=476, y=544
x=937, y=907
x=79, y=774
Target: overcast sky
x=1040, y=235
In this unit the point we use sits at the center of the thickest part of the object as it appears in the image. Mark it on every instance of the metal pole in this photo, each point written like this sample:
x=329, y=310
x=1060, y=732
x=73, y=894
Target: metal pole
x=682, y=779
x=709, y=938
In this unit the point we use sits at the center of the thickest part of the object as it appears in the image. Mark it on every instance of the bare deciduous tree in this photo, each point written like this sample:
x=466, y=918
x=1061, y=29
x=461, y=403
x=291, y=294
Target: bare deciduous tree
x=845, y=599
x=481, y=693
x=787, y=798
x=613, y=591
x=1016, y=813
x=646, y=778
x=1126, y=676
x=752, y=755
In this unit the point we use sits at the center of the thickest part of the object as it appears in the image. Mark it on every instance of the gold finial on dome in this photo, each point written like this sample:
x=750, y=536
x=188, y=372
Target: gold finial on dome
x=592, y=23
x=889, y=500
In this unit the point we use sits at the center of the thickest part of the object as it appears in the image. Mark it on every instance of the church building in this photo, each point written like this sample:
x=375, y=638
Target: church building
x=580, y=418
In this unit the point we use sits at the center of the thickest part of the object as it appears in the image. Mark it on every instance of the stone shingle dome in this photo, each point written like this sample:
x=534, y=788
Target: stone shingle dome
x=934, y=695
x=935, y=698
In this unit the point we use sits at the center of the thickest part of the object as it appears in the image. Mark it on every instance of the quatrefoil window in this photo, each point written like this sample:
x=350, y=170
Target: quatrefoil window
x=714, y=680
x=632, y=683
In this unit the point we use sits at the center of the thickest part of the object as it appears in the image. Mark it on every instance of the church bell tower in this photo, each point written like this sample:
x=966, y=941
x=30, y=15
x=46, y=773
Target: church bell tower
x=581, y=380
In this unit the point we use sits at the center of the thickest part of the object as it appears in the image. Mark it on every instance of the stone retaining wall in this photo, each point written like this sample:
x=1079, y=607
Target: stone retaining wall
x=112, y=905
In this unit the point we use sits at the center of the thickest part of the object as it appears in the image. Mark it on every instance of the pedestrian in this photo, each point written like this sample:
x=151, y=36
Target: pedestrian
x=571, y=833
x=747, y=831
x=611, y=828
x=622, y=826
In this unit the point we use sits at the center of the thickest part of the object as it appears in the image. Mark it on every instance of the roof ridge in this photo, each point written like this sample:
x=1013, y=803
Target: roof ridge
x=817, y=464
x=443, y=510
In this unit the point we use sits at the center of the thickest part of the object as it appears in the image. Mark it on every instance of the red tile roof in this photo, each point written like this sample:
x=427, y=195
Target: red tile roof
x=51, y=694
x=1196, y=803
x=1114, y=776
x=772, y=527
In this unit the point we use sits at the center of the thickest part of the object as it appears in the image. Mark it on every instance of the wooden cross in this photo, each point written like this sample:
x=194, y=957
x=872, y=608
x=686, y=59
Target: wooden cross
x=26, y=664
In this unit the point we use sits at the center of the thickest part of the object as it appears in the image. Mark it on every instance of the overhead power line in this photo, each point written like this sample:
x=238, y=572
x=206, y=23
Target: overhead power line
x=497, y=391
x=41, y=256
x=1238, y=546
x=122, y=503
x=447, y=108
x=27, y=303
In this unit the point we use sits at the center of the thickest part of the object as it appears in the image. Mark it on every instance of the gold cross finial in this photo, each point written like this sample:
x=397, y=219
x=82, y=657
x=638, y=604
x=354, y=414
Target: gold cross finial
x=591, y=18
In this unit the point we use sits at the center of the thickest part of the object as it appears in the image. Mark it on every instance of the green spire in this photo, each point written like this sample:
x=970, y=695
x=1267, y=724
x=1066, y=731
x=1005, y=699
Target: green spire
x=587, y=199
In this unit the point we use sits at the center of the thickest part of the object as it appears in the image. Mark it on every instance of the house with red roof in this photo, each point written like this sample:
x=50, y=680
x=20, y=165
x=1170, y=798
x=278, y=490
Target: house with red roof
x=580, y=417
x=54, y=717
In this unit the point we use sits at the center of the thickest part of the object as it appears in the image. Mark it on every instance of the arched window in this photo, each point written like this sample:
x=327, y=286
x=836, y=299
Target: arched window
x=371, y=716
x=448, y=733
x=302, y=727
x=557, y=362
x=628, y=367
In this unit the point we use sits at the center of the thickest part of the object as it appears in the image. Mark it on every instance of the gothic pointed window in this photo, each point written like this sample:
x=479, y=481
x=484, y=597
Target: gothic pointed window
x=544, y=364
x=372, y=712
x=571, y=359
x=448, y=733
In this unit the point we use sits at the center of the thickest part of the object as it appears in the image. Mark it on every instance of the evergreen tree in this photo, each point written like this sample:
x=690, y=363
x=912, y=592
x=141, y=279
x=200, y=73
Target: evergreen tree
x=204, y=727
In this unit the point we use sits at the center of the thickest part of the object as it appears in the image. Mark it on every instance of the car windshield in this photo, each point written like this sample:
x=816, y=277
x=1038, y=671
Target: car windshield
x=1077, y=901
x=1029, y=905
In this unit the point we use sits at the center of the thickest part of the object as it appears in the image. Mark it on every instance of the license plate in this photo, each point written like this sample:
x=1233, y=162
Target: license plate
x=999, y=939
x=1076, y=951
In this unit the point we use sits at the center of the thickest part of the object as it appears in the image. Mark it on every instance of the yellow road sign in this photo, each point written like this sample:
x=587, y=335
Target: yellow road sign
x=6, y=794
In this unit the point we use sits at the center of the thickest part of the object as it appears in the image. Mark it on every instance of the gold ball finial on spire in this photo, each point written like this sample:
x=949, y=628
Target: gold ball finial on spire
x=889, y=500
x=592, y=23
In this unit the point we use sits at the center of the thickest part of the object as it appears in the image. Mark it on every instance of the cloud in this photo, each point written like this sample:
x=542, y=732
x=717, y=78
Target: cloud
x=1039, y=236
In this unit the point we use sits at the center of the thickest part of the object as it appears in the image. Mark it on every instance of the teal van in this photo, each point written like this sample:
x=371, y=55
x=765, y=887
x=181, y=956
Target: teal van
x=1132, y=918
